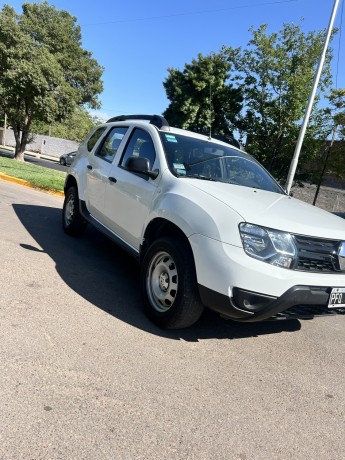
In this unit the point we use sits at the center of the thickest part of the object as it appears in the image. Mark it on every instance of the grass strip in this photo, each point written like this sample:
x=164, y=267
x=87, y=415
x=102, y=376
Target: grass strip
x=38, y=176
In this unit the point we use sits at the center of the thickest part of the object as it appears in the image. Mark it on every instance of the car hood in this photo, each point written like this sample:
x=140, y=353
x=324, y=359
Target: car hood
x=275, y=211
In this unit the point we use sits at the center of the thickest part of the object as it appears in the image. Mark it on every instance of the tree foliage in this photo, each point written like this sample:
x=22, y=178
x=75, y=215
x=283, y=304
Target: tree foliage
x=336, y=112
x=75, y=127
x=45, y=74
x=200, y=96
x=275, y=73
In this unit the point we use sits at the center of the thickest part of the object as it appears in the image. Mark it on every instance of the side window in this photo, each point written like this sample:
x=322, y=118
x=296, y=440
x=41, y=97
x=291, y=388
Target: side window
x=94, y=138
x=111, y=143
x=140, y=145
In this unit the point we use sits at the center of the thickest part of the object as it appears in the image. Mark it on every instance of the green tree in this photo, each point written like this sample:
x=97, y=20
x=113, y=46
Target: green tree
x=75, y=127
x=200, y=97
x=333, y=156
x=337, y=111
x=45, y=74
x=275, y=73
x=331, y=159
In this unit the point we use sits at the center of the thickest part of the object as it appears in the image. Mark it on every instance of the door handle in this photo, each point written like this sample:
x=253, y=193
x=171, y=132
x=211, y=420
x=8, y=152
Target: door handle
x=89, y=167
x=112, y=179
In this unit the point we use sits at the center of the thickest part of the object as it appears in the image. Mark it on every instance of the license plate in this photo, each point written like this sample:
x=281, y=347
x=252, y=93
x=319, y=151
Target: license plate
x=337, y=298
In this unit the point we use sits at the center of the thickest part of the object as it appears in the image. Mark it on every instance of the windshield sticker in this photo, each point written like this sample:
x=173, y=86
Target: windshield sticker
x=170, y=138
x=180, y=169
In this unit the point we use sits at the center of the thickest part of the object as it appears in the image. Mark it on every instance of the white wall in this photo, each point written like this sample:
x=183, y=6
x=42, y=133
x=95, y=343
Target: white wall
x=45, y=145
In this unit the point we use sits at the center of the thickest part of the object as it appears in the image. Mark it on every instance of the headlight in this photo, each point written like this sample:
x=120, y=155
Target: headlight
x=271, y=246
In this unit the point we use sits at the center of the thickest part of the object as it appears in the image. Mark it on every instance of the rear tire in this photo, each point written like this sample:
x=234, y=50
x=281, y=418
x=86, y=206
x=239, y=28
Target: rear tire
x=169, y=284
x=73, y=222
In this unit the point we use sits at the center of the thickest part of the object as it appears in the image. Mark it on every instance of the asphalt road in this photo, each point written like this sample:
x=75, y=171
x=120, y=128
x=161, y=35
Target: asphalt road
x=84, y=374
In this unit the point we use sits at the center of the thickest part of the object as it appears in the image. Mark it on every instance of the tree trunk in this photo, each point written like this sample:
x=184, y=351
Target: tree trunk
x=19, y=154
x=21, y=138
x=276, y=150
x=328, y=151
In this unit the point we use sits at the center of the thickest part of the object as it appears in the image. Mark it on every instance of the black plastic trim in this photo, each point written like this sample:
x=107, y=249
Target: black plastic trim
x=221, y=304
x=316, y=255
x=251, y=301
x=264, y=306
x=228, y=139
x=156, y=120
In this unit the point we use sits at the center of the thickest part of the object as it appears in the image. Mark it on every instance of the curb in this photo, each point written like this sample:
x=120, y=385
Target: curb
x=29, y=153
x=24, y=183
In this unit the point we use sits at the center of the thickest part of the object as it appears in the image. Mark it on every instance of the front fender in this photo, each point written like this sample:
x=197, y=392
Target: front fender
x=196, y=212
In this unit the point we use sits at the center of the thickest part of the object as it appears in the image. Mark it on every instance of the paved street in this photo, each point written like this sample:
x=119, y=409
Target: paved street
x=84, y=374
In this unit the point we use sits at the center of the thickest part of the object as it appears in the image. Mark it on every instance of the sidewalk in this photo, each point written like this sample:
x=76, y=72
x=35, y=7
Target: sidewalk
x=4, y=149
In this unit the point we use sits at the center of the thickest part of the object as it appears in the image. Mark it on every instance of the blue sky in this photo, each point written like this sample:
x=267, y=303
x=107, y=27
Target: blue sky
x=137, y=41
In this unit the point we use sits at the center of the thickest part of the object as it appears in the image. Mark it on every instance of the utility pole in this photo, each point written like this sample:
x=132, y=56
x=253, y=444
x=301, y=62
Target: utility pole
x=294, y=162
x=5, y=128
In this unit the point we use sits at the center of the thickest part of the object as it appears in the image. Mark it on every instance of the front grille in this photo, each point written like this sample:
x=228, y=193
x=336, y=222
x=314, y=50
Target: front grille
x=314, y=265
x=316, y=255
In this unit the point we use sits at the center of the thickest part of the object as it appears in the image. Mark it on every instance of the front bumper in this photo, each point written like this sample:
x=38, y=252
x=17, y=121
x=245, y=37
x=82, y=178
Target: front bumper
x=244, y=289
x=248, y=306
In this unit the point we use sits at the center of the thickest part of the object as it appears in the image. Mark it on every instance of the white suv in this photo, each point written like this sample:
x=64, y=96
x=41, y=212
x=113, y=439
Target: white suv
x=208, y=224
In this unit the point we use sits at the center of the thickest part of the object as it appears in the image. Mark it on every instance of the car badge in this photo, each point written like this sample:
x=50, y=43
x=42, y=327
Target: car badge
x=341, y=256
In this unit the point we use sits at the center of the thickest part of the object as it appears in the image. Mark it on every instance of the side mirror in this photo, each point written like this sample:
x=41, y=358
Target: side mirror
x=141, y=165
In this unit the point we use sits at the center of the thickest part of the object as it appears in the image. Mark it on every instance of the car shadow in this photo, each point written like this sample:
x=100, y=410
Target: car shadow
x=108, y=277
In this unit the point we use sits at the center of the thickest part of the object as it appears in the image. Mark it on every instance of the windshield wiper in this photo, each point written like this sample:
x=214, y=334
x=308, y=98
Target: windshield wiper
x=189, y=166
x=199, y=176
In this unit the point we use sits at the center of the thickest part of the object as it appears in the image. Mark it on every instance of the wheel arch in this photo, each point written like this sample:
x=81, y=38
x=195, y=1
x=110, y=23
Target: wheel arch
x=167, y=252
x=70, y=182
x=160, y=227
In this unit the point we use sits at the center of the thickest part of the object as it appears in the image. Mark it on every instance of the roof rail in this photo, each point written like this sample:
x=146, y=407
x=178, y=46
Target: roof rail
x=228, y=139
x=156, y=120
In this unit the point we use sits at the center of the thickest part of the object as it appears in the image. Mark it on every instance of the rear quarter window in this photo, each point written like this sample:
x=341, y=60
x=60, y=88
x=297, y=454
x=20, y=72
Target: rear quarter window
x=94, y=138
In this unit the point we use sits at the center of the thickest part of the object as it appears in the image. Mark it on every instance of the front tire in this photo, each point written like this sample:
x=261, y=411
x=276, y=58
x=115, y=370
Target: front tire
x=73, y=222
x=169, y=285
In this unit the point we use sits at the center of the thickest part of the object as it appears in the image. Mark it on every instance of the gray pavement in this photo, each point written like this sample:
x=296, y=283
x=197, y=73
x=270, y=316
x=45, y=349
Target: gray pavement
x=84, y=374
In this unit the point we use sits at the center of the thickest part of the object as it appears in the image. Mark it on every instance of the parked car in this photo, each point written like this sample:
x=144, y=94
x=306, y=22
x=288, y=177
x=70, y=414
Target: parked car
x=67, y=158
x=207, y=223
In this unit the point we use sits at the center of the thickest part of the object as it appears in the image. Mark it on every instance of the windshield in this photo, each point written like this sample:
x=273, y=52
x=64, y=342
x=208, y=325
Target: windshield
x=205, y=160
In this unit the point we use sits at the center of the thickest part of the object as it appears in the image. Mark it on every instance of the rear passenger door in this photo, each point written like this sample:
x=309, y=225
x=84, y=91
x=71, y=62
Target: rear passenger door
x=98, y=170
